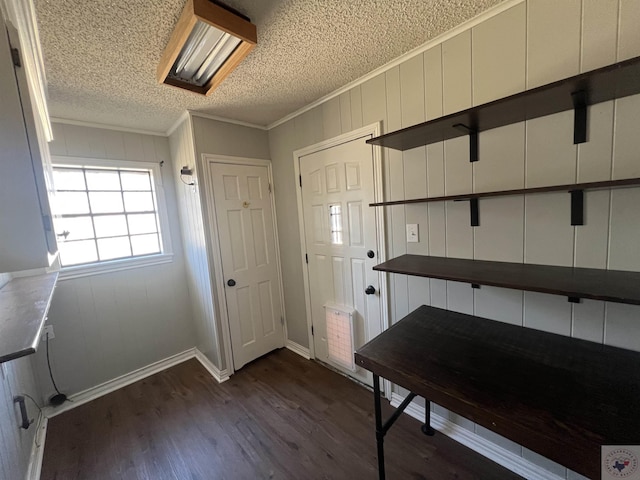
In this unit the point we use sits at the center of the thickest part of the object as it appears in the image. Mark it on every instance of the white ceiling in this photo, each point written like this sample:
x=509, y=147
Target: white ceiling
x=101, y=55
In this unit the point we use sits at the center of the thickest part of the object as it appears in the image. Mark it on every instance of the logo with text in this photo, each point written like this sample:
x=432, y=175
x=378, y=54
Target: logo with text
x=620, y=462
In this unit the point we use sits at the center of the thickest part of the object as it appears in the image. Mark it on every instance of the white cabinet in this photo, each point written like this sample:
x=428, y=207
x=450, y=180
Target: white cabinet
x=27, y=240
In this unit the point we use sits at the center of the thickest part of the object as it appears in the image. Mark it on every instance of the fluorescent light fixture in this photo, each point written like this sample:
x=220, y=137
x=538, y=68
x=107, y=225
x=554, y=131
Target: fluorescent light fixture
x=209, y=41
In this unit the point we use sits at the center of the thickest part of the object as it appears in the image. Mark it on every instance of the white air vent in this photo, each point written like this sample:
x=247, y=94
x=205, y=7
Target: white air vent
x=340, y=335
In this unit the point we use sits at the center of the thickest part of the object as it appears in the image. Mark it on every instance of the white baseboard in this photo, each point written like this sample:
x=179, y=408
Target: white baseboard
x=122, y=381
x=299, y=349
x=219, y=375
x=37, y=449
x=479, y=444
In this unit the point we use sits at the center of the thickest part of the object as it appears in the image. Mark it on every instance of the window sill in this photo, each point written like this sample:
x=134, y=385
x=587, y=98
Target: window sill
x=67, y=273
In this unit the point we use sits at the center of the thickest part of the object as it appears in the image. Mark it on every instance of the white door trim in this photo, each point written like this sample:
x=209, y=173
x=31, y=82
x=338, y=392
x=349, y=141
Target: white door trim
x=372, y=130
x=207, y=159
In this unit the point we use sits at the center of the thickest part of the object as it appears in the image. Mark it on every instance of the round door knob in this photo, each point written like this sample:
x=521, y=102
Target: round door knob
x=371, y=254
x=370, y=290
x=231, y=282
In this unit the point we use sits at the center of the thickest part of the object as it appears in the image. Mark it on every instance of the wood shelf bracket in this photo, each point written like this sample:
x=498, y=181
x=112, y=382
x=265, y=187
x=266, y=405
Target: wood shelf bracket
x=579, y=116
x=577, y=207
x=473, y=140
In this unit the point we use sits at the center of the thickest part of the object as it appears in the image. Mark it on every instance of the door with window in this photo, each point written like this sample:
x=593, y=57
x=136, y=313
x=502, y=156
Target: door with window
x=342, y=247
x=247, y=240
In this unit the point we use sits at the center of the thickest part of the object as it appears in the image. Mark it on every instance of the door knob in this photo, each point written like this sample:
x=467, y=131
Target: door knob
x=231, y=282
x=371, y=254
x=370, y=290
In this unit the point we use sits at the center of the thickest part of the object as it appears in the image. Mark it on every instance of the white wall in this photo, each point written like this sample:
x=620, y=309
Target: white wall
x=530, y=44
x=110, y=324
x=195, y=247
x=193, y=138
x=16, y=378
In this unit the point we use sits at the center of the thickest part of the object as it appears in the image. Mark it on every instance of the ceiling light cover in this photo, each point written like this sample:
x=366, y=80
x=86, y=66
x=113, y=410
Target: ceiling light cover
x=209, y=41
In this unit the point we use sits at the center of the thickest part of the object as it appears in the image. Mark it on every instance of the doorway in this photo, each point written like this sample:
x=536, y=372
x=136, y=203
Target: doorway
x=249, y=279
x=342, y=239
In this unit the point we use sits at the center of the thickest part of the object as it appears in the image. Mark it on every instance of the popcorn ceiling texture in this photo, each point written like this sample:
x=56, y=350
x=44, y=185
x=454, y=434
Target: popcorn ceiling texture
x=101, y=56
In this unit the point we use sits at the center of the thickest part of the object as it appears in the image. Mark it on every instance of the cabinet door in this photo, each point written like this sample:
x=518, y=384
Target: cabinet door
x=23, y=237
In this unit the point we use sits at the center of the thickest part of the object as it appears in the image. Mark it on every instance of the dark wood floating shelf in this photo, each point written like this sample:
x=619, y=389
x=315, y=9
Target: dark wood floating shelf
x=614, y=81
x=561, y=397
x=575, y=283
x=628, y=182
x=24, y=303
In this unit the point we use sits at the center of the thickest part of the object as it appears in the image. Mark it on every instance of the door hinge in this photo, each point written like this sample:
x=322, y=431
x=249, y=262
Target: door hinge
x=15, y=56
x=46, y=222
x=312, y=330
x=282, y=320
x=269, y=188
x=306, y=258
x=300, y=178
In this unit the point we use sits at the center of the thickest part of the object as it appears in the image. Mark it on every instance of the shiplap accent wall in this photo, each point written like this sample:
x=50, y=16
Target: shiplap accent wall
x=16, y=378
x=110, y=324
x=192, y=139
x=533, y=43
x=198, y=270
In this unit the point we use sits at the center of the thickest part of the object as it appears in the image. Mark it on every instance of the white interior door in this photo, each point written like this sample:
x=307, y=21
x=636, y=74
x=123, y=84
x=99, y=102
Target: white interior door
x=246, y=232
x=341, y=244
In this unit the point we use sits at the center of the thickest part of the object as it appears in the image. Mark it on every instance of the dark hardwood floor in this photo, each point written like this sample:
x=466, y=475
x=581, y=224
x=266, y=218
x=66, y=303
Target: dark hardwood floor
x=280, y=417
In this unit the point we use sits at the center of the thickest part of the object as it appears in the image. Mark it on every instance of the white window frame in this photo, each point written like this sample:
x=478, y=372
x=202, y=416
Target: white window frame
x=166, y=256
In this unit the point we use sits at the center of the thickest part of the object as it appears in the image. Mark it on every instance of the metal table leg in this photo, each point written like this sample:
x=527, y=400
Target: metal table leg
x=381, y=430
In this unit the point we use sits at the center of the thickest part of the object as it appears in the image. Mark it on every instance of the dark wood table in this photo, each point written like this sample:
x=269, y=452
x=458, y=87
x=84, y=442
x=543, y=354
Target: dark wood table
x=561, y=397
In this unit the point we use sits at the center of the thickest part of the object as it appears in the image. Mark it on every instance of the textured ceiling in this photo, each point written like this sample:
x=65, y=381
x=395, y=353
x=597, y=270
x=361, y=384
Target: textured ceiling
x=101, y=55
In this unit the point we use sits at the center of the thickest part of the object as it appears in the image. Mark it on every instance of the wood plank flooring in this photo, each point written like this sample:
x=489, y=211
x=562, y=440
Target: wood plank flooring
x=280, y=417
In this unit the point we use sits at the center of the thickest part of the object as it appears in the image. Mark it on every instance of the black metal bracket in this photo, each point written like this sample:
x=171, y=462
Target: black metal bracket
x=579, y=116
x=474, y=212
x=573, y=299
x=475, y=285
x=473, y=140
x=577, y=207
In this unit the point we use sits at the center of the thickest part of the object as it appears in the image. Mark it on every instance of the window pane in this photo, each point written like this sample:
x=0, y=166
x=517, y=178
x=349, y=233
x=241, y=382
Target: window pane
x=68, y=179
x=69, y=203
x=110, y=225
x=142, y=223
x=106, y=202
x=78, y=228
x=74, y=253
x=111, y=248
x=103, y=180
x=135, y=180
x=138, y=202
x=145, y=244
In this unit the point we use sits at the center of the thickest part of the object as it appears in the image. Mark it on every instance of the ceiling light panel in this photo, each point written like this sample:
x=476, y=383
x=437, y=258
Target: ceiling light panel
x=208, y=42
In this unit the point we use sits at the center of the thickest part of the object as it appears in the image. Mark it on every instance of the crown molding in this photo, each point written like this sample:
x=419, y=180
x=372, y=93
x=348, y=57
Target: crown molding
x=227, y=120
x=104, y=126
x=463, y=27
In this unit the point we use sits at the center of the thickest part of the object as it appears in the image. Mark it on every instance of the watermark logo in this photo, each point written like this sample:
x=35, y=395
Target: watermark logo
x=620, y=462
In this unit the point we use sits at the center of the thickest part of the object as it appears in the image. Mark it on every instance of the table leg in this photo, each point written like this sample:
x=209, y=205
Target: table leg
x=379, y=429
x=426, y=428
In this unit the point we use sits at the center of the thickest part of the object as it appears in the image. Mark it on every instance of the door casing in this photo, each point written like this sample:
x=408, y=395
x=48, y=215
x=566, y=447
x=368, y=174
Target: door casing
x=368, y=131
x=217, y=253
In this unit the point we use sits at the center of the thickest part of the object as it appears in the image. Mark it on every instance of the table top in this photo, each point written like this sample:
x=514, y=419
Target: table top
x=558, y=396
x=24, y=302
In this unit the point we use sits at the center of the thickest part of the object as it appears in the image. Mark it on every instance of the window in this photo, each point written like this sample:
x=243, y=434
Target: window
x=107, y=214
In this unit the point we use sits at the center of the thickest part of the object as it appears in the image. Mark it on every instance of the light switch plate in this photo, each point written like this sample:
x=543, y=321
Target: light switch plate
x=412, y=233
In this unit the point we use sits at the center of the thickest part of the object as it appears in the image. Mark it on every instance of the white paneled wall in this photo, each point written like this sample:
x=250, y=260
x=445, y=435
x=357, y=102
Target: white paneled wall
x=16, y=378
x=530, y=44
x=110, y=324
x=195, y=246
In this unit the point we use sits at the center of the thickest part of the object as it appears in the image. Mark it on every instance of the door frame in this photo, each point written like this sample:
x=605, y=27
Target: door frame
x=218, y=276
x=370, y=131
